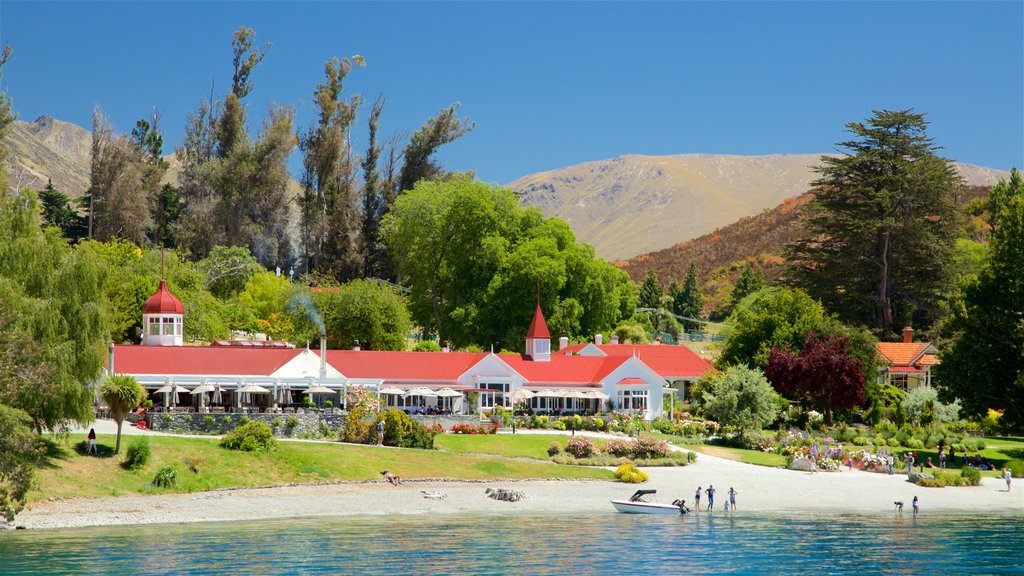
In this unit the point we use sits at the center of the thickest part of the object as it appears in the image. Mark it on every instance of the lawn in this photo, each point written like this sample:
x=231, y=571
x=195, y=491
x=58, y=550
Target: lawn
x=738, y=454
x=998, y=450
x=69, y=472
x=509, y=445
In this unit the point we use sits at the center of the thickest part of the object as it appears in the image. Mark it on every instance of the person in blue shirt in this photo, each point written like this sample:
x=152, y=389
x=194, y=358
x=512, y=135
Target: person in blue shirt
x=711, y=497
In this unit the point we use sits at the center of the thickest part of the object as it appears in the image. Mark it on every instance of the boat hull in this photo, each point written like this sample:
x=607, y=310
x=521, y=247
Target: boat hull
x=629, y=507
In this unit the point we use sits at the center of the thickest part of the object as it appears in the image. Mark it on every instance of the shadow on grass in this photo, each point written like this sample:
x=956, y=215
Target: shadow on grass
x=55, y=450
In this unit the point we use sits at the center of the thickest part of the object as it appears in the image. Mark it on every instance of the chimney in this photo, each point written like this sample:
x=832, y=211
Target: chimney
x=908, y=335
x=355, y=346
x=563, y=341
x=598, y=339
x=615, y=338
x=323, y=353
x=444, y=346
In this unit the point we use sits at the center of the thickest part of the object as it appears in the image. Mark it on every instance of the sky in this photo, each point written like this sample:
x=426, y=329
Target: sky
x=549, y=84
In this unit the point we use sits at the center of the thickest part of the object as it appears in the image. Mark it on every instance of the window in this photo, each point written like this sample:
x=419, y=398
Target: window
x=632, y=399
x=497, y=395
x=177, y=326
x=168, y=326
x=154, y=327
x=541, y=346
x=899, y=380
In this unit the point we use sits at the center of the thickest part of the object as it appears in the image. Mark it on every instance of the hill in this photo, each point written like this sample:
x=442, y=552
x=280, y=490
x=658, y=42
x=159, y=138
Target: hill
x=635, y=204
x=719, y=256
x=49, y=148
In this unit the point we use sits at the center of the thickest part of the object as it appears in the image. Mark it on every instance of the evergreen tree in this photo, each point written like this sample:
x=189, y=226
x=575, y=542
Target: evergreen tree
x=651, y=291
x=119, y=175
x=442, y=129
x=984, y=367
x=881, y=227
x=689, y=302
x=751, y=280
x=373, y=199
x=58, y=212
x=1002, y=193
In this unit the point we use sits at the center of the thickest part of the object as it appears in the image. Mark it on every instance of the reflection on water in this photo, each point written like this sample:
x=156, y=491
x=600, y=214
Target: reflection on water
x=593, y=544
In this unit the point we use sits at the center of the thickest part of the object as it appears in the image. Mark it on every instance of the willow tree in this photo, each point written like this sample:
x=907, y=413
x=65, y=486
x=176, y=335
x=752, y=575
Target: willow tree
x=881, y=226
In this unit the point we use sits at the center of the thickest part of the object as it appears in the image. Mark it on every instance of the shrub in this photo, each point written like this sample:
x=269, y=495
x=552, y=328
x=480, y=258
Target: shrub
x=880, y=441
x=554, y=449
x=629, y=473
x=914, y=444
x=292, y=421
x=894, y=442
x=225, y=420
x=166, y=477
x=860, y=440
x=357, y=427
x=418, y=437
x=650, y=447
x=580, y=447
x=971, y=475
x=209, y=421
x=244, y=420
x=276, y=422
x=250, y=437
x=138, y=453
x=1016, y=468
x=934, y=440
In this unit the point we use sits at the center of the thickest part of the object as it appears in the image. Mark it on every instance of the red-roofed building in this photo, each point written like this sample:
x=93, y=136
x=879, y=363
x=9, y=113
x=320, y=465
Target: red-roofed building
x=622, y=377
x=907, y=364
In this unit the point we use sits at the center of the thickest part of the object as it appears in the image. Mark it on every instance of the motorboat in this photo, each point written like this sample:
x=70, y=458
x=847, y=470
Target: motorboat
x=638, y=504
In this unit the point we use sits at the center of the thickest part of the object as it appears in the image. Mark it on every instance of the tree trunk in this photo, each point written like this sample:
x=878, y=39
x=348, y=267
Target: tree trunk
x=117, y=447
x=436, y=306
x=883, y=310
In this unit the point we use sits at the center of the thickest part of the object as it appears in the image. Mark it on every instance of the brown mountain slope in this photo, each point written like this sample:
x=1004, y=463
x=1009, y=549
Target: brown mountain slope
x=718, y=256
x=634, y=204
x=48, y=148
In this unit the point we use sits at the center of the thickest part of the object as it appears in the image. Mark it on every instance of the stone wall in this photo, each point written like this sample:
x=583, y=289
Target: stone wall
x=308, y=424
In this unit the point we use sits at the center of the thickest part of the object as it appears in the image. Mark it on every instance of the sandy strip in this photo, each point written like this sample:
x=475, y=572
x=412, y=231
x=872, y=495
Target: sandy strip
x=759, y=489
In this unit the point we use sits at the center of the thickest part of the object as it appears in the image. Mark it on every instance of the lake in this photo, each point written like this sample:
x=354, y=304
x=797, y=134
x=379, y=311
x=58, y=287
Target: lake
x=605, y=543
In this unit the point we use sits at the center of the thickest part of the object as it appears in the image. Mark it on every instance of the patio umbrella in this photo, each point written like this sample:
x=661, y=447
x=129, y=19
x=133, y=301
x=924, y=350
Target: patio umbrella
x=522, y=394
x=547, y=393
x=201, y=390
x=253, y=389
x=216, y=399
x=447, y=393
x=573, y=393
x=318, y=390
x=284, y=394
x=595, y=395
x=173, y=390
x=392, y=390
x=420, y=391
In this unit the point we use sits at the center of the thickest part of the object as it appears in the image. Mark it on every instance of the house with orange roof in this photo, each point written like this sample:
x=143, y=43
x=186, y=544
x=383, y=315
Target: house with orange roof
x=580, y=379
x=907, y=364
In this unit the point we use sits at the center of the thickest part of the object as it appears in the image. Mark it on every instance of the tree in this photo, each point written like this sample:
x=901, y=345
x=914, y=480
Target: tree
x=58, y=212
x=328, y=205
x=6, y=116
x=122, y=393
x=741, y=398
x=442, y=129
x=374, y=314
x=770, y=318
x=374, y=201
x=984, y=366
x=473, y=259
x=118, y=176
x=751, y=280
x=823, y=373
x=1002, y=193
x=881, y=227
x=689, y=302
x=651, y=291
x=20, y=452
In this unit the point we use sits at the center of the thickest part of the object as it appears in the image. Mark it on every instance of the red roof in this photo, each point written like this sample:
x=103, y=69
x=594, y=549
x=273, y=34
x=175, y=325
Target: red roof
x=563, y=369
x=905, y=369
x=163, y=302
x=630, y=382
x=667, y=360
x=212, y=360
x=538, y=328
x=403, y=366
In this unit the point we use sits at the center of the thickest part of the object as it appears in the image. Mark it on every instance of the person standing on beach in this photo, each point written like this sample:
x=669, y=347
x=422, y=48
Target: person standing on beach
x=696, y=500
x=732, y=498
x=915, y=504
x=711, y=497
x=1007, y=476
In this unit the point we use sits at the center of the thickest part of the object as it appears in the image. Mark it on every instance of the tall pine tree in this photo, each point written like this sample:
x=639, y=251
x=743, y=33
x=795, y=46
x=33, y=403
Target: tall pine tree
x=881, y=227
x=689, y=302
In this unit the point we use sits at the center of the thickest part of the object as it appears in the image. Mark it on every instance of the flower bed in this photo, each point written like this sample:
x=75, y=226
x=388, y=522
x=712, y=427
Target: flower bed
x=470, y=429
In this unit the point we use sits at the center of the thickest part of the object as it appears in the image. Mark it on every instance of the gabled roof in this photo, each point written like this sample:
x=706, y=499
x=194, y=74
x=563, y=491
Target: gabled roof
x=413, y=366
x=538, y=327
x=205, y=360
x=163, y=302
x=667, y=360
x=561, y=368
x=906, y=353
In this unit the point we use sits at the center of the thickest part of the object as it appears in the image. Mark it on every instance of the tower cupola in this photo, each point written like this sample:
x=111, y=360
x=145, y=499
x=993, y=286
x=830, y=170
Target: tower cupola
x=163, y=317
x=538, y=339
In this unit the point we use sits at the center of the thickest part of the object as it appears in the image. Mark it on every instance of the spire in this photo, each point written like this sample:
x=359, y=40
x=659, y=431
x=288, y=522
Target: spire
x=538, y=327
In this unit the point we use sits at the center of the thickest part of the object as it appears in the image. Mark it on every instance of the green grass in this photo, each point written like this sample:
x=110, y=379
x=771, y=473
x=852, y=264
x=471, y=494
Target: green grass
x=738, y=454
x=68, y=472
x=508, y=445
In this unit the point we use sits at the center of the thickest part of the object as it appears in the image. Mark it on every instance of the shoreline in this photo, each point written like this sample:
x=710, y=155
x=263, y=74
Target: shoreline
x=759, y=489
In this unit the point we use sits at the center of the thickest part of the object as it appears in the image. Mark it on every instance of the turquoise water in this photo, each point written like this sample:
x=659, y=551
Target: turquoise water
x=607, y=543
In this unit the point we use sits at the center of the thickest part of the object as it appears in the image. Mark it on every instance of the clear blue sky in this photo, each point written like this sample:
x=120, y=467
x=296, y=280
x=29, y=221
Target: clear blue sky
x=551, y=85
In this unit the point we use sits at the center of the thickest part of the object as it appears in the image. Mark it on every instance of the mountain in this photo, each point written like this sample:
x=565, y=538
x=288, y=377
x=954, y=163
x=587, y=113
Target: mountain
x=634, y=204
x=49, y=148
x=719, y=255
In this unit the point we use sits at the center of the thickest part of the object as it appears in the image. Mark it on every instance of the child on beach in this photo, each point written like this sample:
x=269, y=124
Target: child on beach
x=1007, y=476
x=696, y=500
x=915, y=504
